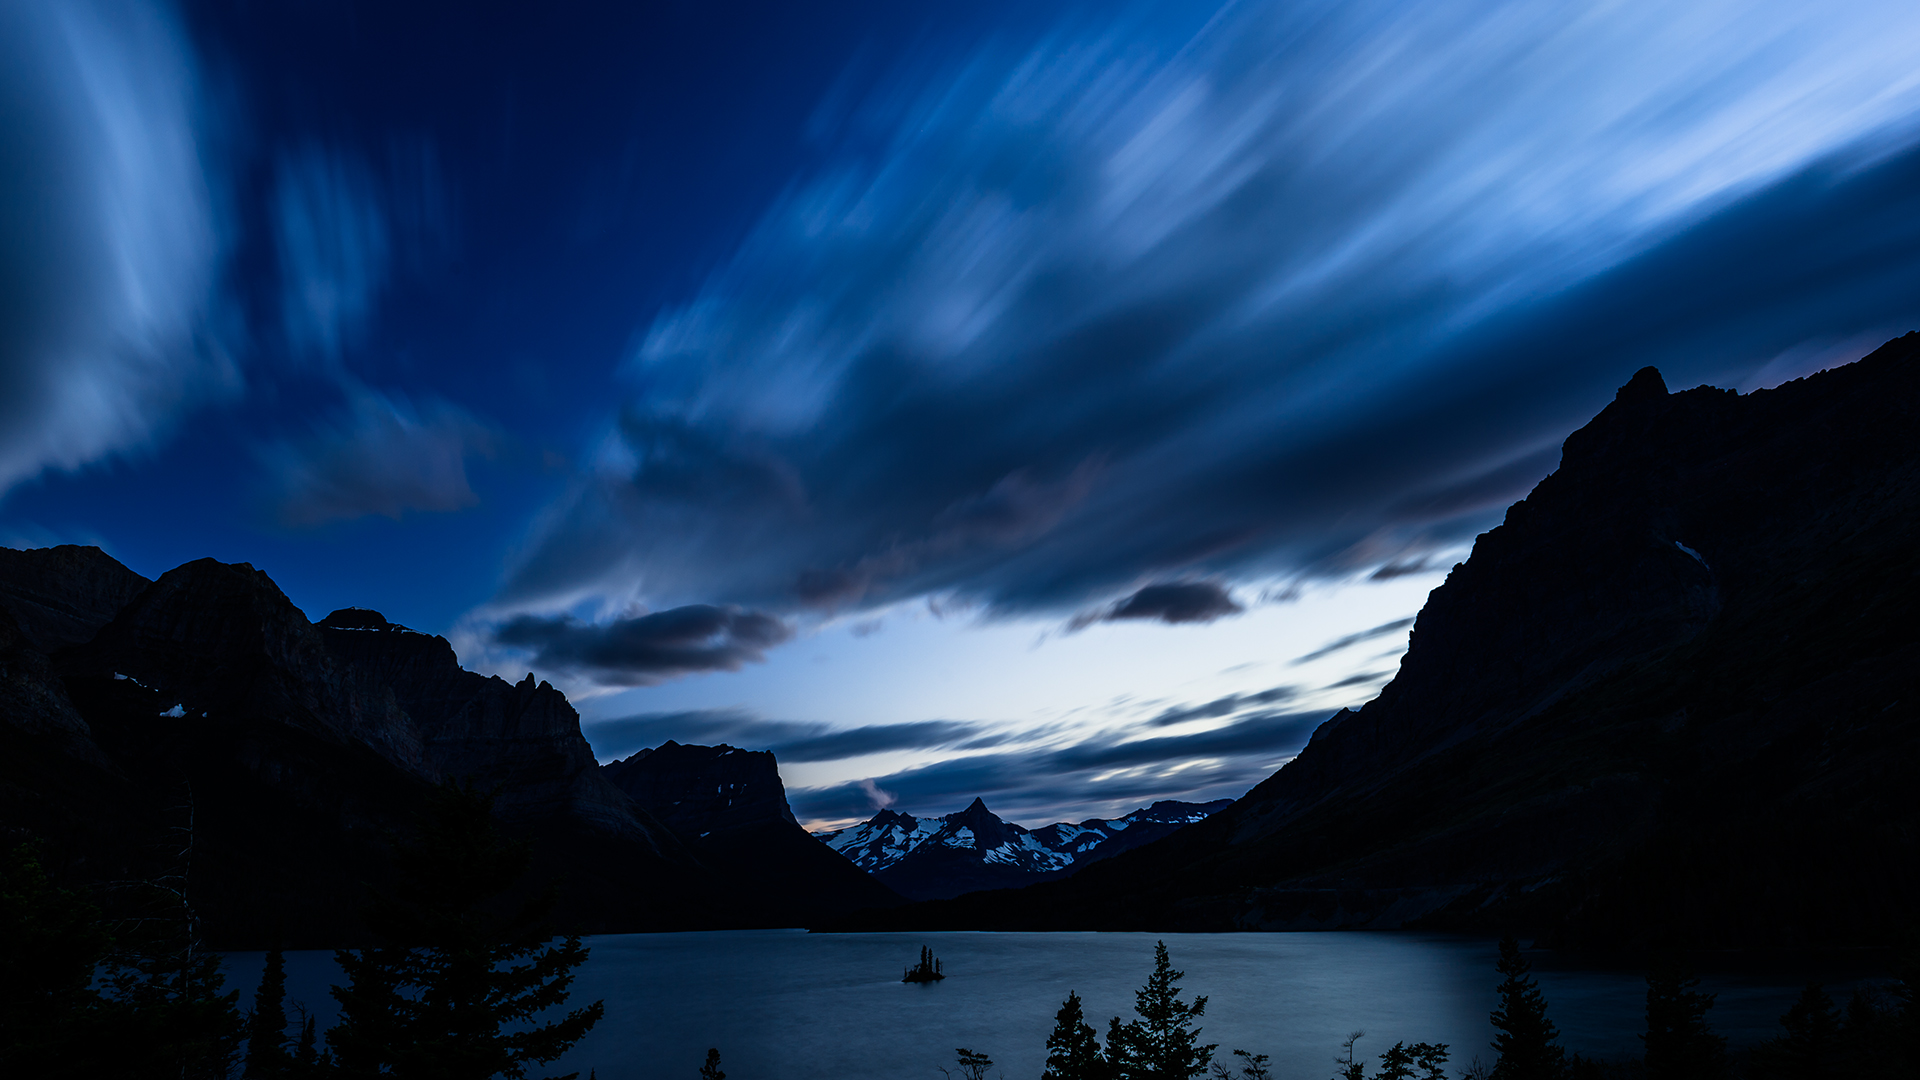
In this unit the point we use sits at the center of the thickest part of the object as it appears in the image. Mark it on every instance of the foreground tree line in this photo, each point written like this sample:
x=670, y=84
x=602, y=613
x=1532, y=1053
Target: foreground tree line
x=450, y=993
x=1877, y=1037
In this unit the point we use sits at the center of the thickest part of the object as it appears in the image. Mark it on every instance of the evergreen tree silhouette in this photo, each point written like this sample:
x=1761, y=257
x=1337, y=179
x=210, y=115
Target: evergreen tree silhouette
x=1679, y=1045
x=973, y=1064
x=1810, y=1049
x=711, y=1070
x=1073, y=1051
x=267, y=1057
x=1526, y=1039
x=1401, y=1060
x=452, y=991
x=1163, y=1044
x=53, y=942
x=1252, y=1067
x=1352, y=1065
x=1123, y=1059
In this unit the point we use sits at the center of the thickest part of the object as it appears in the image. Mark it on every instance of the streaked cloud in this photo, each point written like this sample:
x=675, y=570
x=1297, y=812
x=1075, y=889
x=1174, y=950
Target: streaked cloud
x=1103, y=772
x=791, y=741
x=109, y=236
x=1314, y=291
x=1172, y=603
x=1348, y=641
x=331, y=234
x=646, y=649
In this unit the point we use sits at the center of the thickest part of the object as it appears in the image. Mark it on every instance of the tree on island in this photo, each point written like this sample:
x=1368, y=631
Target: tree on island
x=1526, y=1041
x=452, y=990
x=1073, y=1051
x=711, y=1070
x=927, y=970
x=1679, y=1045
x=1163, y=1044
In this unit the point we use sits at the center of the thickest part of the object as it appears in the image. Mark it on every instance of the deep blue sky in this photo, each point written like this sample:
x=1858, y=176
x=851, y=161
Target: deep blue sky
x=955, y=398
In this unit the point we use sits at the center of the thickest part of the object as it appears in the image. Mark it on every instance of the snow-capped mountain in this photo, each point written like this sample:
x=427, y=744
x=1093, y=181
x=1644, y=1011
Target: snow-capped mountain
x=934, y=858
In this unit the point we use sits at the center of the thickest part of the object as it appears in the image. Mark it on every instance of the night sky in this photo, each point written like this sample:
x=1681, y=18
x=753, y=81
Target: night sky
x=1068, y=405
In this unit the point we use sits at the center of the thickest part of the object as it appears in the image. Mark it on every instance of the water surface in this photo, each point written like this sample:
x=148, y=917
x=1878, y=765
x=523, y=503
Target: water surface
x=787, y=1005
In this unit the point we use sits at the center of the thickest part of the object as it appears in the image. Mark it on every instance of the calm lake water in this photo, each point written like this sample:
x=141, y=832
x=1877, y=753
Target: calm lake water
x=787, y=1005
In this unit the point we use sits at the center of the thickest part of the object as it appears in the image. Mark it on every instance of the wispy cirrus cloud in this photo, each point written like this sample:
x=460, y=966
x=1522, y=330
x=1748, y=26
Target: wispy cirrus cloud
x=1103, y=772
x=110, y=236
x=791, y=741
x=1373, y=633
x=1313, y=290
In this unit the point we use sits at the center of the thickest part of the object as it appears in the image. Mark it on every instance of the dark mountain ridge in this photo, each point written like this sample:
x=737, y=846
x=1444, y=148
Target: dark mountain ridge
x=730, y=808
x=1671, y=697
x=297, y=750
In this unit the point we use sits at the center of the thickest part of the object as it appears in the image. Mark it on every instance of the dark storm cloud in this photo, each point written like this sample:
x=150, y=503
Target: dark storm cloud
x=109, y=245
x=1100, y=771
x=791, y=741
x=1084, y=322
x=650, y=648
x=1350, y=640
x=380, y=457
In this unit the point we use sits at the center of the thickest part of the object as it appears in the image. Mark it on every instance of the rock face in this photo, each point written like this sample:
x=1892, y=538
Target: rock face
x=63, y=595
x=937, y=858
x=1673, y=696
x=129, y=709
x=523, y=739
x=730, y=809
x=695, y=789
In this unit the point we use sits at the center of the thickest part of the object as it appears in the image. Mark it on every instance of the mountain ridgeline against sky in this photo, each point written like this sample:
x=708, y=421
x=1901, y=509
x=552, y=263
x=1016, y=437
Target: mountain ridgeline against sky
x=937, y=858
x=136, y=714
x=1672, y=697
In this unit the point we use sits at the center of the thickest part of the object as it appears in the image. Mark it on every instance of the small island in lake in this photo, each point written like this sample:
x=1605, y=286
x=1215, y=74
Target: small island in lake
x=926, y=971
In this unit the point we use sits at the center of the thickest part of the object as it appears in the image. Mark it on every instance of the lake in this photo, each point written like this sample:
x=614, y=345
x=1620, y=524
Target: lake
x=787, y=1005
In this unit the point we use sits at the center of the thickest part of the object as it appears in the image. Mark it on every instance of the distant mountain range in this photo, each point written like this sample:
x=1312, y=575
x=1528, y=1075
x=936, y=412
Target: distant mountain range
x=937, y=858
x=1673, y=699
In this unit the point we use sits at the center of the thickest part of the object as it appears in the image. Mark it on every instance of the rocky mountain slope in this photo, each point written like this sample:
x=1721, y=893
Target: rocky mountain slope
x=1672, y=697
x=936, y=858
x=730, y=809
x=137, y=716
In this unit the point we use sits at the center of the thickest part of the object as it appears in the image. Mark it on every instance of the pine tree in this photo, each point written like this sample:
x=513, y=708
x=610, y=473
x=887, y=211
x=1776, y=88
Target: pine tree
x=711, y=1070
x=1252, y=1067
x=1073, y=1051
x=1679, y=1045
x=1401, y=1060
x=973, y=1064
x=1526, y=1040
x=1163, y=1044
x=1352, y=1066
x=451, y=993
x=267, y=1055
x=53, y=941
x=1123, y=1058
x=1810, y=1049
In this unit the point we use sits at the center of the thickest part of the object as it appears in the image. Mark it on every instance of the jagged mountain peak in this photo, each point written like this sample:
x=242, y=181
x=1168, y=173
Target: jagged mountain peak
x=974, y=848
